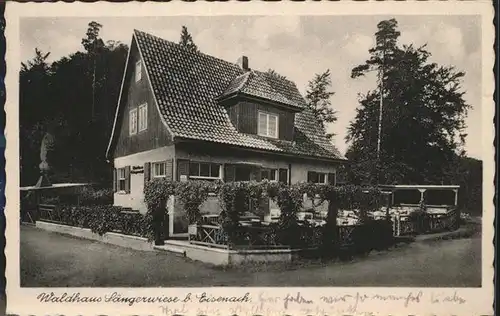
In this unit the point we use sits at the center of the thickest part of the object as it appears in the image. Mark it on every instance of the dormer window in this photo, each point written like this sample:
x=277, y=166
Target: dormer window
x=268, y=125
x=138, y=71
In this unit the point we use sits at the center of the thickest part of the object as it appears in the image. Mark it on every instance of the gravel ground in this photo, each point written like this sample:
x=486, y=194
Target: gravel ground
x=54, y=260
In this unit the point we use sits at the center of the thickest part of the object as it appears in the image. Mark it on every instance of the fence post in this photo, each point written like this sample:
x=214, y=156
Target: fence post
x=398, y=225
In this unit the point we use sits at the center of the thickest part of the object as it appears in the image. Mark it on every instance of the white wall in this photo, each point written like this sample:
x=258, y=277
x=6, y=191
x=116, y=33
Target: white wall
x=135, y=199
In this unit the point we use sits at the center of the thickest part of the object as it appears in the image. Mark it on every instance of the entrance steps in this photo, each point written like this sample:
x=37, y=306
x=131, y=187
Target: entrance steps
x=171, y=248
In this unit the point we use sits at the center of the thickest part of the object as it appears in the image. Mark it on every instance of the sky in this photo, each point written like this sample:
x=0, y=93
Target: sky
x=295, y=46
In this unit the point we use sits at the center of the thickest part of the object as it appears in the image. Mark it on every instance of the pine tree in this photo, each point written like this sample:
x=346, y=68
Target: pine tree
x=273, y=73
x=416, y=113
x=318, y=99
x=187, y=40
x=94, y=46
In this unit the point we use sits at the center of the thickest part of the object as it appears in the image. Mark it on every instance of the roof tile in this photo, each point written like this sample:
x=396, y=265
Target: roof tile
x=187, y=84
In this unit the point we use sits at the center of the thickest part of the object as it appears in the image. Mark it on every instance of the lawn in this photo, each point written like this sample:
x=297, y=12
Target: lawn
x=54, y=260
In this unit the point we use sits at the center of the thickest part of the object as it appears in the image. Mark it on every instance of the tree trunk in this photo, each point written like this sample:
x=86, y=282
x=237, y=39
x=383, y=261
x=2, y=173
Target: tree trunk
x=330, y=233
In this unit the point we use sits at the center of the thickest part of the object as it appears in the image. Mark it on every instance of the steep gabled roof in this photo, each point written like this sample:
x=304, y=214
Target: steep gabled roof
x=187, y=85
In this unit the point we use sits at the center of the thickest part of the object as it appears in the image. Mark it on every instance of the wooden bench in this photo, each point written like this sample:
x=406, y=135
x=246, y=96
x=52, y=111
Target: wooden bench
x=28, y=216
x=46, y=209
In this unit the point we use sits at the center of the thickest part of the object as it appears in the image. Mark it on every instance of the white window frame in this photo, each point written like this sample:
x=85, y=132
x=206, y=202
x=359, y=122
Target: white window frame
x=132, y=122
x=267, y=130
x=334, y=178
x=276, y=174
x=203, y=177
x=143, y=117
x=325, y=181
x=138, y=70
x=153, y=169
x=121, y=176
x=321, y=173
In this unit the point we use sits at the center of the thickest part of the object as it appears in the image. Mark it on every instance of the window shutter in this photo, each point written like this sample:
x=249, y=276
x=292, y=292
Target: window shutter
x=332, y=178
x=229, y=173
x=182, y=168
x=169, y=169
x=310, y=176
x=147, y=172
x=127, y=179
x=283, y=176
x=115, y=182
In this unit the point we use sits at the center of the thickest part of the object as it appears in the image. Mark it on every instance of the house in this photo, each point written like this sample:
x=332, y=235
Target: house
x=185, y=115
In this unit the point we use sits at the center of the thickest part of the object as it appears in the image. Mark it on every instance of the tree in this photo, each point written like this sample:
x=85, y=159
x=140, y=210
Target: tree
x=39, y=62
x=94, y=45
x=273, y=73
x=422, y=126
x=187, y=40
x=34, y=108
x=56, y=98
x=92, y=42
x=318, y=99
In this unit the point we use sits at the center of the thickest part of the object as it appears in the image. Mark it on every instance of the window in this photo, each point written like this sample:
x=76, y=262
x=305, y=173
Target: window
x=269, y=174
x=143, y=117
x=204, y=170
x=268, y=125
x=121, y=179
x=133, y=122
x=138, y=71
x=316, y=177
x=159, y=169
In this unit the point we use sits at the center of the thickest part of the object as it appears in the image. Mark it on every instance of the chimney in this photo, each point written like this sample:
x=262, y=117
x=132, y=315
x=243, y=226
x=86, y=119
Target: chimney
x=243, y=63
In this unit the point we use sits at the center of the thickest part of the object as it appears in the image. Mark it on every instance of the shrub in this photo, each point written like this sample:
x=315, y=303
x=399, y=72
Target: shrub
x=157, y=192
x=93, y=196
x=421, y=220
x=50, y=200
x=372, y=235
x=104, y=218
x=289, y=200
x=234, y=199
x=192, y=194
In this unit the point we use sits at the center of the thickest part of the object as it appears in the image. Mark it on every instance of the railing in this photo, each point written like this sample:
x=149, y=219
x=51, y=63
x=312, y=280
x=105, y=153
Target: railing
x=345, y=234
x=432, y=223
x=210, y=236
x=262, y=237
x=440, y=222
x=403, y=226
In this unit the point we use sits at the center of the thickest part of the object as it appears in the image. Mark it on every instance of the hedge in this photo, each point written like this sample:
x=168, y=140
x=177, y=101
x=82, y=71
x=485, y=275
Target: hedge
x=237, y=198
x=86, y=196
x=101, y=219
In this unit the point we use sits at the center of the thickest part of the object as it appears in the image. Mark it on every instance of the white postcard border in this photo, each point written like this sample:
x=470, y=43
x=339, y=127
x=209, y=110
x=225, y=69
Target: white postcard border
x=24, y=301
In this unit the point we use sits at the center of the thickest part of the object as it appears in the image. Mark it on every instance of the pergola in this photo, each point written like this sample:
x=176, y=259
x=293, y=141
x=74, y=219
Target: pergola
x=56, y=188
x=421, y=188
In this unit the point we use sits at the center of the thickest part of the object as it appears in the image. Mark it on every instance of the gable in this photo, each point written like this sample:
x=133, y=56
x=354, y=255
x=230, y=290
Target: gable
x=134, y=94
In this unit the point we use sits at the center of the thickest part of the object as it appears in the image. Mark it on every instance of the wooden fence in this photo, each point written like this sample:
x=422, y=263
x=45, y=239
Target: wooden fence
x=404, y=225
x=262, y=237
